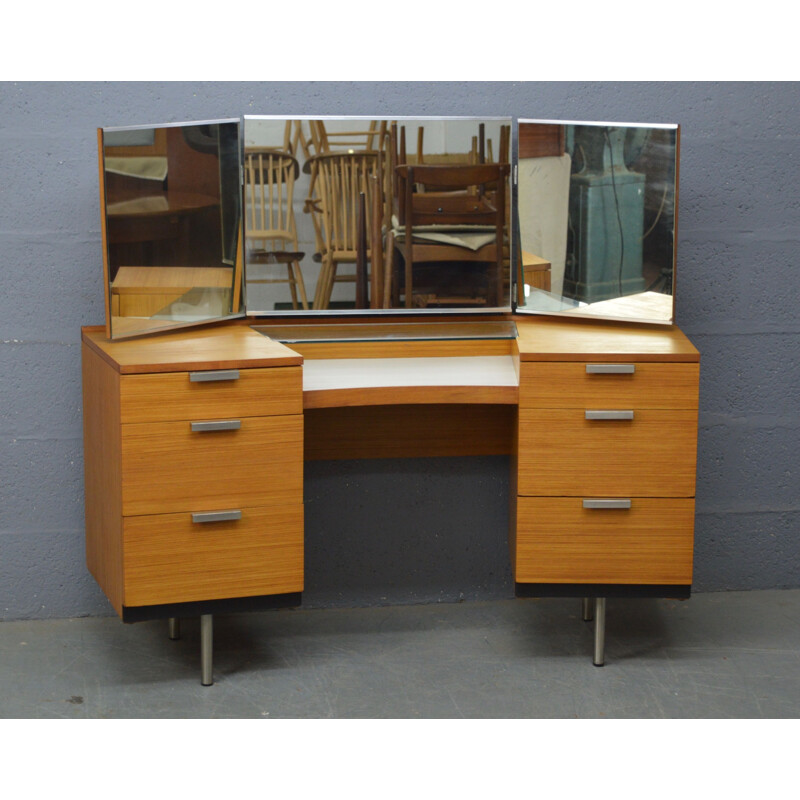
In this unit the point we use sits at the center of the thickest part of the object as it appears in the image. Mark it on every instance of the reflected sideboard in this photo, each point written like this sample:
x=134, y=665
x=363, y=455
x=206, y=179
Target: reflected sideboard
x=195, y=442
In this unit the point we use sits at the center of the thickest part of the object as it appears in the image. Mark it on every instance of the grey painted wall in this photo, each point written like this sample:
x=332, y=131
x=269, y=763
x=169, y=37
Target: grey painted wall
x=367, y=543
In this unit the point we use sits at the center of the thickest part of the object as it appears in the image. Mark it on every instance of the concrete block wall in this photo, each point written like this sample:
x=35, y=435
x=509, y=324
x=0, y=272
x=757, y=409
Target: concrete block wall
x=367, y=542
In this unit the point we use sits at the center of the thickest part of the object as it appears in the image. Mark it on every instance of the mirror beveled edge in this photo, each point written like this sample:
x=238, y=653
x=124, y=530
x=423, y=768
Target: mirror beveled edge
x=515, y=306
x=645, y=307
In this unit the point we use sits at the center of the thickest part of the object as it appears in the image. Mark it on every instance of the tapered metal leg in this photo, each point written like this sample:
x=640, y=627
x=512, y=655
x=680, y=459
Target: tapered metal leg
x=599, y=631
x=588, y=611
x=206, y=649
x=174, y=628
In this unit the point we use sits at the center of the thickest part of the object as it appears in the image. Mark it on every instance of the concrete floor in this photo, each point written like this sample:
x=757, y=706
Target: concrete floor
x=721, y=655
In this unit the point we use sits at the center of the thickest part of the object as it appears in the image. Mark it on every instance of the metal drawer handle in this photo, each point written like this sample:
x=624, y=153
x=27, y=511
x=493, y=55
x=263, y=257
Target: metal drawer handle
x=609, y=415
x=216, y=516
x=606, y=504
x=611, y=369
x=214, y=375
x=216, y=425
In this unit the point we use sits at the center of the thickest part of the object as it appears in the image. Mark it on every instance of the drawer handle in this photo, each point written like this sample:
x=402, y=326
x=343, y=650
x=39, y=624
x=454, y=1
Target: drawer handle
x=216, y=425
x=609, y=415
x=214, y=375
x=216, y=516
x=611, y=369
x=606, y=504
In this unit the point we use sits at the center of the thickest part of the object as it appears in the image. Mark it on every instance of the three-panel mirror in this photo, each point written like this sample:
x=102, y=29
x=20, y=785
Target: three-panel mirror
x=350, y=216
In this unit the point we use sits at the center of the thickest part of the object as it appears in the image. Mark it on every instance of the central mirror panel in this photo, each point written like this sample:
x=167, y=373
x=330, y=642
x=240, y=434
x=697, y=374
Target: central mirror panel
x=172, y=225
x=356, y=215
x=597, y=219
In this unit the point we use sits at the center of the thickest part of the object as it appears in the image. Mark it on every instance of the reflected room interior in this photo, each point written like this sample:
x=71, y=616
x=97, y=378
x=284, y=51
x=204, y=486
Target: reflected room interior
x=349, y=214
x=172, y=218
x=597, y=219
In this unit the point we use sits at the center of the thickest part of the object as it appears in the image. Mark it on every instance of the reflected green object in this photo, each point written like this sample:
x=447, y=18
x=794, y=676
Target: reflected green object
x=606, y=211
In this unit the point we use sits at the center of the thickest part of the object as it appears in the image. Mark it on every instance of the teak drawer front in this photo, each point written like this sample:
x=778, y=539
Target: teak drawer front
x=569, y=385
x=166, y=467
x=561, y=453
x=560, y=541
x=171, y=559
x=158, y=397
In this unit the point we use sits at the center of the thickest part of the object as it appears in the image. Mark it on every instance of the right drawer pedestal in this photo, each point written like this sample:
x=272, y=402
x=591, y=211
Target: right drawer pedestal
x=606, y=475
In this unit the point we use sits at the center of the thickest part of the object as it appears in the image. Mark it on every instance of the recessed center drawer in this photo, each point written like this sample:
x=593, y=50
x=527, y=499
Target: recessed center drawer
x=159, y=397
x=600, y=385
x=562, y=453
x=169, y=558
x=168, y=466
x=559, y=540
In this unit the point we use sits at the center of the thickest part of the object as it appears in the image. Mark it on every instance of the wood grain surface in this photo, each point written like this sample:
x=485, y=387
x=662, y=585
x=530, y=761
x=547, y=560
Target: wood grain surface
x=159, y=397
x=167, y=468
x=563, y=454
x=170, y=559
x=559, y=541
x=550, y=384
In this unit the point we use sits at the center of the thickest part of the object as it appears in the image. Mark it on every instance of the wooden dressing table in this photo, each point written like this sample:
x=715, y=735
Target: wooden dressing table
x=195, y=442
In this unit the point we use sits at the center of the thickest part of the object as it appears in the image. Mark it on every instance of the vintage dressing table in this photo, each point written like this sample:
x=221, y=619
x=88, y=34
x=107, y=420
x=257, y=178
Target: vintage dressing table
x=195, y=438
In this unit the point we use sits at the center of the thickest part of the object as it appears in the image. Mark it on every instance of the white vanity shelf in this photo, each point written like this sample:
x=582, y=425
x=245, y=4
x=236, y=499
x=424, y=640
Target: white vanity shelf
x=409, y=363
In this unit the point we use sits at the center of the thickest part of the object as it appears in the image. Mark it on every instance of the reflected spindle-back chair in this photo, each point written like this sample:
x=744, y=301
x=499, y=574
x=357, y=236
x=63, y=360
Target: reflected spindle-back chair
x=270, y=227
x=341, y=179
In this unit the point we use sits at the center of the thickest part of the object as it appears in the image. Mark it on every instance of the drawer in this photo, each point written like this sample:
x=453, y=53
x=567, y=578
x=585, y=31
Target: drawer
x=561, y=453
x=167, y=467
x=595, y=385
x=158, y=397
x=171, y=559
x=560, y=541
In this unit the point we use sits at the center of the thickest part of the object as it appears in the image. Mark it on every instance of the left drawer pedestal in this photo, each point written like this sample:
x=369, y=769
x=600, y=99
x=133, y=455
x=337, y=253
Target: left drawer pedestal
x=183, y=516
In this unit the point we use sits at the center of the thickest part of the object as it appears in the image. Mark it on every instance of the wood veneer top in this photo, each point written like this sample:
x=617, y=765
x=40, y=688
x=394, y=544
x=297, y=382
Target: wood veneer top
x=551, y=339
x=214, y=347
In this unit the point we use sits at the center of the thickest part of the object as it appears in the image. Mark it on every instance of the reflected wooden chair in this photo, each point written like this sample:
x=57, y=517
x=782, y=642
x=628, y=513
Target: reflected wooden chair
x=357, y=139
x=341, y=180
x=445, y=216
x=270, y=229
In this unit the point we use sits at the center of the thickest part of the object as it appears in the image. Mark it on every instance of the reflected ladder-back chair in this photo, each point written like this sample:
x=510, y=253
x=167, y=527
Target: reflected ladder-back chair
x=341, y=179
x=270, y=230
x=464, y=224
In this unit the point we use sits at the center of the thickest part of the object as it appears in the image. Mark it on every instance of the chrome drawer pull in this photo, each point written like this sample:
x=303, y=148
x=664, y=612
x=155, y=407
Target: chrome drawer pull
x=216, y=516
x=609, y=415
x=611, y=369
x=214, y=375
x=606, y=503
x=216, y=425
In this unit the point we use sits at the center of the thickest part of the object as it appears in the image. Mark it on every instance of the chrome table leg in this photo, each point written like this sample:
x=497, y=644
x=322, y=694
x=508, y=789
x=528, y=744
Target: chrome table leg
x=587, y=609
x=599, y=631
x=206, y=649
x=174, y=628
